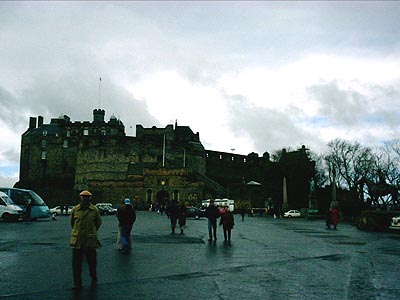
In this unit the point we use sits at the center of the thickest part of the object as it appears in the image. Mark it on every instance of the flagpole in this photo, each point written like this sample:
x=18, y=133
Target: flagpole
x=163, y=157
x=99, y=90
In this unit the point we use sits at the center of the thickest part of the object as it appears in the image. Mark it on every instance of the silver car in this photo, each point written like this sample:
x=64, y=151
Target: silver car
x=293, y=213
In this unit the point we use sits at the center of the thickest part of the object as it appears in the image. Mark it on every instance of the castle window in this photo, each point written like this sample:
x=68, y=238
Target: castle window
x=44, y=132
x=207, y=155
x=86, y=132
x=220, y=156
x=244, y=160
x=232, y=158
x=103, y=132
x=68, y=133
x=44, y=143
x=44, y=154
x=65, y=144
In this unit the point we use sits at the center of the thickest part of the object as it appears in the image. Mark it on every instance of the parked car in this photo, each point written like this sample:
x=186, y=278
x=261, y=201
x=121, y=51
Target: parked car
x=8, y=210
x=103, y=204
x=395, y=224
x=194, y=212
x=57, y=210
x=107, y=210
x=293, y=213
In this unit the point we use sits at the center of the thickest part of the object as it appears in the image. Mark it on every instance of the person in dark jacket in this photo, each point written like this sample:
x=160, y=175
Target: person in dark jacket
x=173, y=213
x=242, y=213
x=227, y=222
x=212, y=214
x=182, y=216
x=126, y=217
x=335, y=217
x=328, y=219
x=28, y=209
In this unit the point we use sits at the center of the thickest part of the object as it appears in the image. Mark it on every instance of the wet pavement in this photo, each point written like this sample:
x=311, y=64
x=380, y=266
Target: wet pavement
x=267, y=259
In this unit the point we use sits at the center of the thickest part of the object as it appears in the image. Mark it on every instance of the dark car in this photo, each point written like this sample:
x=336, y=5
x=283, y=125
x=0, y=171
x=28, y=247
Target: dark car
x=194, y=212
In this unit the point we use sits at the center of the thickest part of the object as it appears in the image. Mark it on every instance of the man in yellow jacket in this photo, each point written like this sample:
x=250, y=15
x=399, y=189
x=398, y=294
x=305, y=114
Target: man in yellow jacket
x=85, y=222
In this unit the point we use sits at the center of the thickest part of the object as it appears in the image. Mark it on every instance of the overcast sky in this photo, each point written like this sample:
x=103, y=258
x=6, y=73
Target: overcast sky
x=249, y=76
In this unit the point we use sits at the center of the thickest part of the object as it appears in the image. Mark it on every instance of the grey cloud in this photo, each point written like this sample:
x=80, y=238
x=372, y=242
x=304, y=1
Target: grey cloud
x=11, y=155
x=349, y=109
x=7, y=181
x=56, y=56
x=270, y=130
x=148, y=35
x=76, y=94
x=340, y=107
x=12, y=111
x=385, y=105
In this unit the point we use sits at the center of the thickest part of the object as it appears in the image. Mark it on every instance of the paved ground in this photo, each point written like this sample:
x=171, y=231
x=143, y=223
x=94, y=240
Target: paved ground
x=267, y=259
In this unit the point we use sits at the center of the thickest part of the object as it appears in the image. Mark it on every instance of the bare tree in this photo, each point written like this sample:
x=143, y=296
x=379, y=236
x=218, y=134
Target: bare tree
x=395, y=147
x=277, y=154
x=386, y=165
x=321, y=172
x=392, y=161
x=351, y=161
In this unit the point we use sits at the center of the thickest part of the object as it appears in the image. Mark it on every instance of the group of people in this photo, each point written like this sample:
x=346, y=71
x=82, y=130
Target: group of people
x=332, y=218
x=177, y=213
x=86, y=221
x=63, y=208
x=227, y=221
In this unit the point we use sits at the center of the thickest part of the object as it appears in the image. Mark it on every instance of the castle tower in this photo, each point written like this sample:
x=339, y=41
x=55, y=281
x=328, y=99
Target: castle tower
x=98, y=115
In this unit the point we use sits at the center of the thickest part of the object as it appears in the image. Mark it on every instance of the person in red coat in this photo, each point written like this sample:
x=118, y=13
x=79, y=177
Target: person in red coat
x=227, y=223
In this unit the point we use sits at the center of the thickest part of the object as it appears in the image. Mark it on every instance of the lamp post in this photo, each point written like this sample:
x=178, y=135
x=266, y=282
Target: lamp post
x=284, y=202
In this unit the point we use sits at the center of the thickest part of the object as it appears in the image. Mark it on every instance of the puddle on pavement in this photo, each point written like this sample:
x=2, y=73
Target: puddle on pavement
x=355, y=243
x=311, y=231
x=44, y=244
x=333, y=257
x=392, y=251
x=167, y=239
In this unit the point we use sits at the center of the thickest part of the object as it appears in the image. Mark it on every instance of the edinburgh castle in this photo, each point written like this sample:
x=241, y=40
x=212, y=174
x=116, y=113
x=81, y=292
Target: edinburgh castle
x=157, y=165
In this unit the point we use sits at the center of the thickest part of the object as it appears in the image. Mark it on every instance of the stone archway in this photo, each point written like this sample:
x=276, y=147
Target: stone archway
x=162, y=197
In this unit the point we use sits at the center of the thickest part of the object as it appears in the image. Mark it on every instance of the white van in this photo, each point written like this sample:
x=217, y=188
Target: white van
x=8, y=210
x=39, y=208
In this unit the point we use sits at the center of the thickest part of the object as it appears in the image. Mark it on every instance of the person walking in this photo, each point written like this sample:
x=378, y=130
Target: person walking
x=335, y=217
x=172, y=213
x=242, y=213
x=328, y=219
x=85, y=223
x=227, y=222
x=28, y=210
x=212, y=214
x=182, y=216
x=126, y=217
